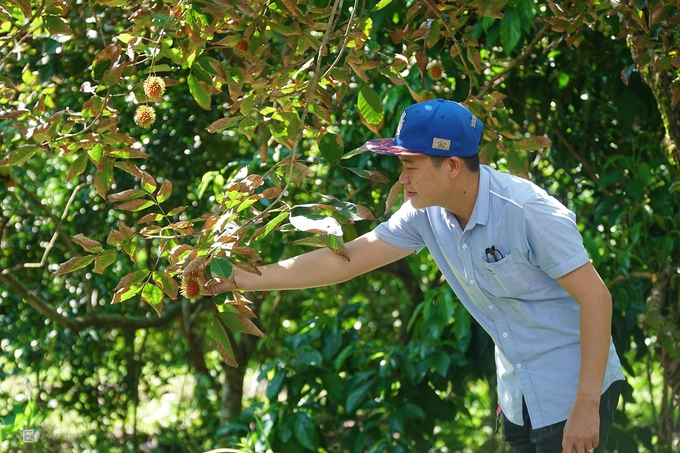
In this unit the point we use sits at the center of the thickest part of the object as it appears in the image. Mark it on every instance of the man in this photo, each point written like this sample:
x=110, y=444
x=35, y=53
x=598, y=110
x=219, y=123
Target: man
x=514, y=257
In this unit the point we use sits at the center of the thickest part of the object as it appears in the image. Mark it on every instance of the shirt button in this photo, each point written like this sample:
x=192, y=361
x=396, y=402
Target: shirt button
x=472, y=281
x=519, y=365
x=505, y=335
x=465, y=246
x=490, y=307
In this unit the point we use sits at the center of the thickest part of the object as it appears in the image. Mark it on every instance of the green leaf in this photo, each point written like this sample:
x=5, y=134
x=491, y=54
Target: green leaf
x=219, y=334
x=96, y=153
x=516, y=161
x=510, y=29
x=221, y=267
x=104, y=260
x=282, y=29
x=310, y=357
x=357, y=397
x=370, y=106
x=330, y=149
x=153, y=295
x=166, y=283
x=274, y=386
x=77, y=167
x=247, y=127
x=19, y=155
x=75, y=263
x=335, y=245
x=198, y=92
x=305, y=431
x=441, y=363
x=272, y=225
x=381, y=4
x=410, y=410
x=240, y=323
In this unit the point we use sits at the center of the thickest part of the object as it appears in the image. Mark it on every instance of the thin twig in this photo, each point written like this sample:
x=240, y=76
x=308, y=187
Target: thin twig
x=96, y=21
x=310, y=93
x=23, y=29
x=64, y=214
x=514, y=62
x=344, y=42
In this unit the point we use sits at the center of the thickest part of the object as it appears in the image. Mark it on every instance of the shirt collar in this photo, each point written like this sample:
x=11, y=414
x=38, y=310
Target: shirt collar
x=480, y=213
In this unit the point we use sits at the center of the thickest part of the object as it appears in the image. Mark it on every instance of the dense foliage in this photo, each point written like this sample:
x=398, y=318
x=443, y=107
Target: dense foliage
x=142, y=141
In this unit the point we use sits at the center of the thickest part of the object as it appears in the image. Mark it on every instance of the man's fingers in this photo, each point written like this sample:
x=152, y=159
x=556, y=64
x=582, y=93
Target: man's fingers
x=217, y=285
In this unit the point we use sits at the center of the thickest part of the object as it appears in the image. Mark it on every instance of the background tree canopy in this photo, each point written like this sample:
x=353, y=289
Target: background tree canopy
x=144, y=140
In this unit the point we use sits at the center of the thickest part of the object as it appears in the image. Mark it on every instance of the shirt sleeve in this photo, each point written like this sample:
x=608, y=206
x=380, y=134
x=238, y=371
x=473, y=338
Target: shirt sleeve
x=401, y=230
x=555, y=244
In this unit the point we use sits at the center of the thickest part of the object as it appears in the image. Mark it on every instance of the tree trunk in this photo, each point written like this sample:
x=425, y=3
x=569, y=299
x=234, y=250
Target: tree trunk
x=651, y=59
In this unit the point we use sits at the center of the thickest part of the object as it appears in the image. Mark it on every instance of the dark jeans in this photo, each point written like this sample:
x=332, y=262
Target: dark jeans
x=524, y=439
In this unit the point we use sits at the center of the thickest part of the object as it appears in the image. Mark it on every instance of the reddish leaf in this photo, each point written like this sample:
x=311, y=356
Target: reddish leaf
x=88, y=244
x=125, y=195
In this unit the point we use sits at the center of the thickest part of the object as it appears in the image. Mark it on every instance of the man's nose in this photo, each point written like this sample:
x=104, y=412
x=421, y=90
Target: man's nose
x=403, y=178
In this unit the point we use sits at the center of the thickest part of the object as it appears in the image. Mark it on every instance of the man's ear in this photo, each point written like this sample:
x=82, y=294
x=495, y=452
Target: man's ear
x=455, y=166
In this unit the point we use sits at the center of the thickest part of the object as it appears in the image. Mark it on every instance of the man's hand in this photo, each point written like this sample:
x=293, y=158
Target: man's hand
x=217, y=285
x=582, y=431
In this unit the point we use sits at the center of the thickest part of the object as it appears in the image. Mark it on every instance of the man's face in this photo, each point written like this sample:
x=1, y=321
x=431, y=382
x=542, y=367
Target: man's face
x=424, y=184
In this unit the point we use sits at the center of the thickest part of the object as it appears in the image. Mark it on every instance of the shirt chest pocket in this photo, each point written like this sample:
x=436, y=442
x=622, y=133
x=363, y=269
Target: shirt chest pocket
x=504, y=278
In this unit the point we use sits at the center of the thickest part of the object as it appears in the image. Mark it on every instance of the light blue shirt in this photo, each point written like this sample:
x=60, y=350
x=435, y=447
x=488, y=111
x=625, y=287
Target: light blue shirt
x=533, y=321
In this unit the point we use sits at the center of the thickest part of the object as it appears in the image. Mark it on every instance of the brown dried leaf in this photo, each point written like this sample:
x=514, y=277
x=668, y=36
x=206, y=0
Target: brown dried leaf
x=392, y=196
x=248, y=267
x=88, y=244
x=125, y=195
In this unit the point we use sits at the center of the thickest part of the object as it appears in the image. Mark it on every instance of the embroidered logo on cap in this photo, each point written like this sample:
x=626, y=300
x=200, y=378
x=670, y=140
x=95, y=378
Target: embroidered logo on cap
x=473, y=121
x=401, y=123
x=441, y=143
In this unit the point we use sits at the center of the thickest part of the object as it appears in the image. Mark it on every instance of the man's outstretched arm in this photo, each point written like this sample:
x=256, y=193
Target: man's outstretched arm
x=318, y=268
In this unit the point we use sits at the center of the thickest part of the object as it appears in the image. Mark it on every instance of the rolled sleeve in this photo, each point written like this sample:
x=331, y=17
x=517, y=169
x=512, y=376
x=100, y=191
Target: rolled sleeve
x=401, y=229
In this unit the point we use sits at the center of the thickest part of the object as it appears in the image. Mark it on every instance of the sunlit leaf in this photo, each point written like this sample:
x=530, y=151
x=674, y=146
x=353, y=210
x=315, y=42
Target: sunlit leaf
x=165, y=191
x=104, y=260
x=153, y=295
x=324, y=225
x=370, y=108
x=168, y=284
x=75, y=263
x=198, y=92
x=19, y=155
x=135, y=205
x=221, y=267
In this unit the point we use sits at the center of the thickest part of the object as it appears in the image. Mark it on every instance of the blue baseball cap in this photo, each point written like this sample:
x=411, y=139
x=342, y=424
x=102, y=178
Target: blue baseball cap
x=436, y=128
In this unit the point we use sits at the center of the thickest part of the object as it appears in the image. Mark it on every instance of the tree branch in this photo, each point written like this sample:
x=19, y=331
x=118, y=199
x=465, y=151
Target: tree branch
x=91, y=320
x=527, y=50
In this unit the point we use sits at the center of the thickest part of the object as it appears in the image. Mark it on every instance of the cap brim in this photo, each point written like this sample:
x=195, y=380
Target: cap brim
x=387, y=146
